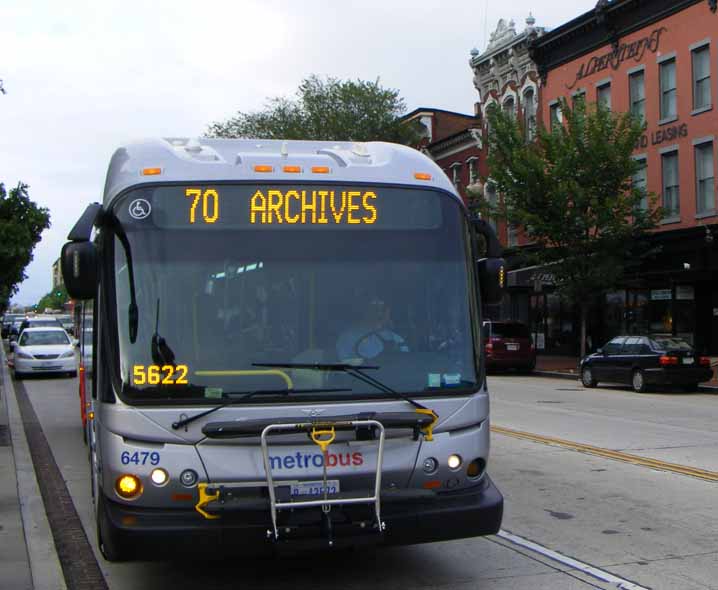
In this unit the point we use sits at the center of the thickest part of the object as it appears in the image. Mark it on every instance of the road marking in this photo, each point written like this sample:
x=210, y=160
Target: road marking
x=603, y=575
x=608, y=454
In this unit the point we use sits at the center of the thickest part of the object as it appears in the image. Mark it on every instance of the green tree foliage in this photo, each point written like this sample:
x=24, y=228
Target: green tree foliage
x=21, y=224
x=571, y=191
x=55, y=299
x=326, y=109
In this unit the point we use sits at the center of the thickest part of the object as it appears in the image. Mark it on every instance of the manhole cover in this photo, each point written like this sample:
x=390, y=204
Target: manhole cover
x=548, y=401
x=568, y=389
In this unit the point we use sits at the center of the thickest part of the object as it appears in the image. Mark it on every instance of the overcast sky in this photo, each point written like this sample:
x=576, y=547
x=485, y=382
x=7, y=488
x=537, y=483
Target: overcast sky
x=84, y=77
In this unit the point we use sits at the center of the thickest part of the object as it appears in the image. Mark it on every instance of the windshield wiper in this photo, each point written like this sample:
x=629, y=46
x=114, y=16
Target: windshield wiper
x=162, y=354
x=356, y=372
x=180, y=423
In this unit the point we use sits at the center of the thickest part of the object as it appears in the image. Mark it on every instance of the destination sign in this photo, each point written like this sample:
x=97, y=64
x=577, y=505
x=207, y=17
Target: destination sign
x=281, y=206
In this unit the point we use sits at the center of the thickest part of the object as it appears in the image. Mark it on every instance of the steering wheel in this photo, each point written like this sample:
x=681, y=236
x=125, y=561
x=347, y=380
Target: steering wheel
x=387, y=344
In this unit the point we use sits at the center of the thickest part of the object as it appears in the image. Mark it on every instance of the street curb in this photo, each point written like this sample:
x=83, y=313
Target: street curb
x=558, y=375
x=45, y=566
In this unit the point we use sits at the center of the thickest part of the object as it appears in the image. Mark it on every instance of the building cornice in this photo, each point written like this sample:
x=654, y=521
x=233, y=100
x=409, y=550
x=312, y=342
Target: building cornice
x=604, y=25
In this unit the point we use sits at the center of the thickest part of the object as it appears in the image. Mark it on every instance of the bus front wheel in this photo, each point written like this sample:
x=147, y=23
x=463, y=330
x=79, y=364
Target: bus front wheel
x=110, y=545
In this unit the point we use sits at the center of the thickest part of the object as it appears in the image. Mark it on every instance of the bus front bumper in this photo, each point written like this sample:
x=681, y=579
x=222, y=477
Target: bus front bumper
x=158, y=534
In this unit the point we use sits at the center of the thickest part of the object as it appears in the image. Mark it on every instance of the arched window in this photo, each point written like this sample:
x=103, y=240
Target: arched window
x=510, y=106
x=529, y=114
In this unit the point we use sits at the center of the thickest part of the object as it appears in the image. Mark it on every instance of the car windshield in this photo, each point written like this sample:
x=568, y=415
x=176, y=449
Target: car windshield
x=43, y=323
x=215, y=298
x=509, y=331
x=40, y=338
x=671, y=343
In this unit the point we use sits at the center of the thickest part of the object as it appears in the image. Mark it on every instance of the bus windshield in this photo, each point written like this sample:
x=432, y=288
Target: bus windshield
x=223, y=279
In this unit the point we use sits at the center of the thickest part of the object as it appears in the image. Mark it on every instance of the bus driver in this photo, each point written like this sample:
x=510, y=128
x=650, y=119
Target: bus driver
x=372, y=335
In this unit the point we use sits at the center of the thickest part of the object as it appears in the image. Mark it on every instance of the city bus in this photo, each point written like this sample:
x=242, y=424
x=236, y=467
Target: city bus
x=287, y=349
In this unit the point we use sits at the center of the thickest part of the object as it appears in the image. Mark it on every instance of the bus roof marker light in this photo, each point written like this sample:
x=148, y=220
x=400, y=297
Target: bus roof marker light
x=321, y=169
x=292, y=169
x=151, y=171
x=263, y=168
x=422, y=176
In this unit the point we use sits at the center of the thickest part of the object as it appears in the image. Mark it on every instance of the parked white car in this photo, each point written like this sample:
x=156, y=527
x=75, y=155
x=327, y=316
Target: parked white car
x=44, y=350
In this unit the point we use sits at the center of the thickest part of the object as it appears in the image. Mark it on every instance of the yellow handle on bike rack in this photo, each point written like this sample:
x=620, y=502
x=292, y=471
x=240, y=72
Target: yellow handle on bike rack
x=204, y=499
x=428, y=431
x=316, y=436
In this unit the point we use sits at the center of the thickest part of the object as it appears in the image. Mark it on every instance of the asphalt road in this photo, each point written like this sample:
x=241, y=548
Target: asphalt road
x=652, y=527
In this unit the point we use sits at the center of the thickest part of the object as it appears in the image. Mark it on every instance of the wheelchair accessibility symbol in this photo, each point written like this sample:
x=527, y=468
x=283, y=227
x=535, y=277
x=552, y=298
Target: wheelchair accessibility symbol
x=140, y=209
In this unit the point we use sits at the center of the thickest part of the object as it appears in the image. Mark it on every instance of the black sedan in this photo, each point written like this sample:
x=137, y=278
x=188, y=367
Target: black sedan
x=643, y=361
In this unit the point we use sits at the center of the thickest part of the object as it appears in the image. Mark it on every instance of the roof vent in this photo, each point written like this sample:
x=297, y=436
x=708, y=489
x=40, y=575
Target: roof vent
x=359, y=149
x=193, y=146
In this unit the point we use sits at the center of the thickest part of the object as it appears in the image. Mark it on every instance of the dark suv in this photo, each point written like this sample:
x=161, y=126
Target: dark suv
x=508, y=345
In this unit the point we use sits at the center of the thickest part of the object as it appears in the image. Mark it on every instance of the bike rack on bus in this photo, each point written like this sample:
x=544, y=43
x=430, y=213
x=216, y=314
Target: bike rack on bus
x=322, y=434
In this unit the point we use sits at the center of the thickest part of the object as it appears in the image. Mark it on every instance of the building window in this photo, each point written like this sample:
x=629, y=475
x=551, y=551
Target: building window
x=510, y=107
x=668, y=89
x=471, y=163
x=603, y=95
x=529, y=114
x=638, y=95
x=555, y=116
x=640, y=180
x=705, y=181
x=578, y=97
x=701, y=77
x=456, y=174
x=671, y=190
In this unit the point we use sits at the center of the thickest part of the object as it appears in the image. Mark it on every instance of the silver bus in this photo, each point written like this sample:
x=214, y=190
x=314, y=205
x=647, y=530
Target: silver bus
x=287, y=349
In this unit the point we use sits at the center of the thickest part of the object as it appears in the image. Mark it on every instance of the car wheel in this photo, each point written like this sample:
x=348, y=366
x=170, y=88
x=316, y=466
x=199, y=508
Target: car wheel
x=17, y=375
x=72, y=374
x=638, y=381
x=587, y=377
x=693, y=387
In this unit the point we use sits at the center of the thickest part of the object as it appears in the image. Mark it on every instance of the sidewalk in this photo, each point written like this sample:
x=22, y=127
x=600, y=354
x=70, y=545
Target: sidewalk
x=567, y=366
x=14, y=560
x=28, y=558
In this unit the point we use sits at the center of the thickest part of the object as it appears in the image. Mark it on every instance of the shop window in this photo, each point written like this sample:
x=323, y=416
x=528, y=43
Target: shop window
x=637, y=89
x=603, y=95
x=671, y=188
x=701, y=77
x=669, y=108
x=661, y=312
x=705, y=181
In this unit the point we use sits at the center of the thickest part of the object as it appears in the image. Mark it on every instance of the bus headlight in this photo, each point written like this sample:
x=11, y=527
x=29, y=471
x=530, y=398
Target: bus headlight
x=128, y=486
x=159, y=476
x=454, y=462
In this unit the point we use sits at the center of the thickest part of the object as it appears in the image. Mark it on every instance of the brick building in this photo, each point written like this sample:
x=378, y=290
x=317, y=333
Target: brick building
x=659, y=60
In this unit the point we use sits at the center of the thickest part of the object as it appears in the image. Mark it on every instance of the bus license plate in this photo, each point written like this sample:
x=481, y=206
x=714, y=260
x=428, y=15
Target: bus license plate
x=687, y=360
x=314, y=488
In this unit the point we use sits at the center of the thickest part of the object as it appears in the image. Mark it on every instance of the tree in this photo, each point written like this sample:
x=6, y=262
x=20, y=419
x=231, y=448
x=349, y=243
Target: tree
x=571, y=191
x=326, y=109
x=55, y=299
x=21, y=225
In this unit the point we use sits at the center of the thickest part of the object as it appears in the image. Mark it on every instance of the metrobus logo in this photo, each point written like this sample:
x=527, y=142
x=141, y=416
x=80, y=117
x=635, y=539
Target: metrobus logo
x=306, y=460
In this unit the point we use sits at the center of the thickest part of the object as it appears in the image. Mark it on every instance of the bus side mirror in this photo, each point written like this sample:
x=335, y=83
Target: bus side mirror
x=78, y=262
x=492, y=280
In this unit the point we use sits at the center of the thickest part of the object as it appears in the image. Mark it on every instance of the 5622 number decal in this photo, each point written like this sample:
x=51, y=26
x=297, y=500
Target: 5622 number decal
x=140, y=458
x=156, y=375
